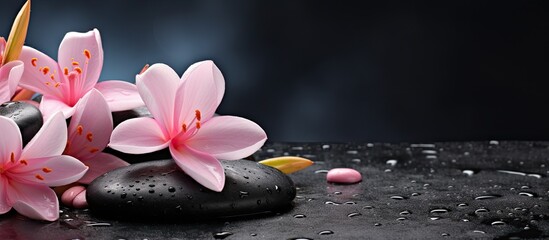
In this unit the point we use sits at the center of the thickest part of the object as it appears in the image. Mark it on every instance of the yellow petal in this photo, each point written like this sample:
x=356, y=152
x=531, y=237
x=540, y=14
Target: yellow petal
x=18, y=34
x=288, y=164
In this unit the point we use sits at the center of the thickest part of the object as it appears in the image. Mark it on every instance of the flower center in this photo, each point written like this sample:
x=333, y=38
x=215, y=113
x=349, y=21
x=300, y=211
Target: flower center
x=81, y=133
x=192, y=128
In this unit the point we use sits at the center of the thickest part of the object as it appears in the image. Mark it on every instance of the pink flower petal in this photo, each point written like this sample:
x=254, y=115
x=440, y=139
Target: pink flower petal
x=120, y=95
x=228, y=137
x=157, y=87
x=10, y=74
x=72, y=49
x=49, y=141
x=137, y=136
x=4, y=204
x=202, y=89
x=51, y=105
x=51, y=171
x=34, y=78
x=10, y=142
x=2, y=46
x=100, y=164
x=90, y=127
x=34, y=201
x=203, y=168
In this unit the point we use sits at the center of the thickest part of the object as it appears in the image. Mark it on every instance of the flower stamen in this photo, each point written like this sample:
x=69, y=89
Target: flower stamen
x=12, y=157
x=46, y=170
x=45, y=70
x=184, y=127
x=197, y=114
x=39, y=177
x=87, y=53
x=79, y=129
x=89, y=136
x=33, y=61
x=24, y=162
x=66, y=71
x=94, y=150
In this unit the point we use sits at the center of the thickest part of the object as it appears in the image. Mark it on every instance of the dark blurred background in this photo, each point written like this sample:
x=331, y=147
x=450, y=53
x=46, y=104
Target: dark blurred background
x=336, y=70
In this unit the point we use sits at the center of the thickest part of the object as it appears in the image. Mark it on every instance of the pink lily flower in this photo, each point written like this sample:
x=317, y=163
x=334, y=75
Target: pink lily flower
x=26, y=173
x=89, y=133
x=184, y=121
x=10, y=74
x=63, y=84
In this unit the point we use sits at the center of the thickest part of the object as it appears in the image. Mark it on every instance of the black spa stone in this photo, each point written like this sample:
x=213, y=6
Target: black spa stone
x=160, y=190
x=25, y=115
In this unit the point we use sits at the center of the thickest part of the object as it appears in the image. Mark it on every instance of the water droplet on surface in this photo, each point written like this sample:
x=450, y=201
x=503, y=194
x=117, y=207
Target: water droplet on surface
x=527, y=194
x=325, y=146
x=123, y=195
x=98, y=224
x=244, y=194
x=368, y=207
x=434, y=218
x=486, y=197
x=429, y=152
x=325, y=232
x=468, y=172
x=392, y=162
x=300, y=216
x=321, y=171
x=401, y=219
x=337, y=193
x=222, y=235
x=377, y=224
x=478, y=231
x=331, y=203
x=462, y=205
x=415, y=194
x=354, y=214
x=171, y=189
x=445, y=235
x=405, y=213
x=482, y=210
x=498, y=223
x=439, y=211
x=396, y=197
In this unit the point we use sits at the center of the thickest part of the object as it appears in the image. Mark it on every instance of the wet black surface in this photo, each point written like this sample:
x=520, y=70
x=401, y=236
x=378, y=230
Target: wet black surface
x=480, y=190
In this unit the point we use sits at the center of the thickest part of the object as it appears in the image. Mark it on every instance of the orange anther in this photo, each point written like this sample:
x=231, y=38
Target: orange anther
x=197, y=114
x=184, y=127
x=45, y=70
x=52, y=77
x=33, y=61
x=79, y=70
x=198, y=125
x=94, y=150
x=39, y=177
x=144, y=68
x=79, y=129
x=57, y=84
x=24, y=162
x=47, y=83
x=12, y=157
x=46, y=170
x=89, y=136
x=87, y=53
x=66, y=71
x=75, y=63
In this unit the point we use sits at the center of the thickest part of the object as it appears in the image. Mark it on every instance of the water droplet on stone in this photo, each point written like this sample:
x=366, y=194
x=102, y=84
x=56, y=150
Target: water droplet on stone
x=480, y=232
x=527, y=194
x=354, y=214
x=368, y=207
x=244, y=194
x=171, y=189
x=439, y=211
x=377, y=224
x=482, y=210
x=486, y=197
x=498, y=223
x=405, y=213
x=331, y=203
x=300, y=216
x=325, y=232
x=468, y=172
x=392, y=162
x=222, y=235
x=322, y=171
x=398, y=197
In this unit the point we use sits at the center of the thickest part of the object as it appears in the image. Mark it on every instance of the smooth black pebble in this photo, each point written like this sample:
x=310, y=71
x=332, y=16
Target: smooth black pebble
x=25, y=115
x=175, y=195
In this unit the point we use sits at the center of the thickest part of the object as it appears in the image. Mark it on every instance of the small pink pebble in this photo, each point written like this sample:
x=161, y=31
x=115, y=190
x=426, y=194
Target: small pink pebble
x=343, y=175
x=80, y=200
x=68, y=196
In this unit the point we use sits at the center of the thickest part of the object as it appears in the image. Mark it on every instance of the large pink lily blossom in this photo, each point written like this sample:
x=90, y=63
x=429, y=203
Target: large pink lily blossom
x=10, y=74
x=184, y=121
x=64, y=83
x=26, y=174
x=89, y=133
